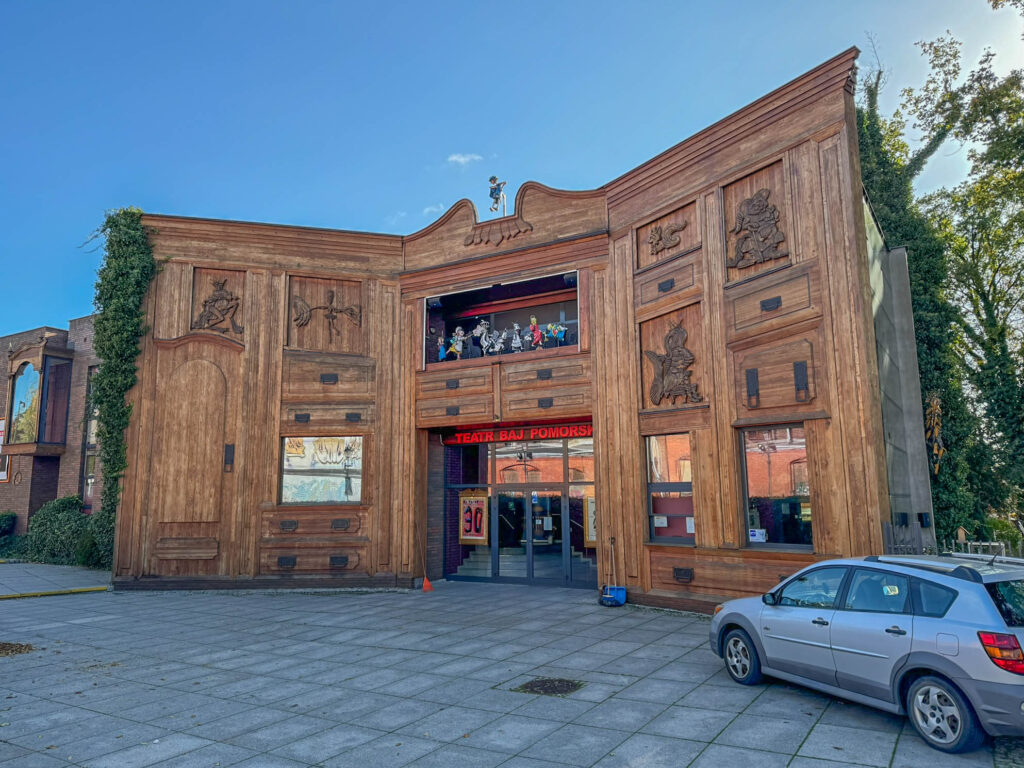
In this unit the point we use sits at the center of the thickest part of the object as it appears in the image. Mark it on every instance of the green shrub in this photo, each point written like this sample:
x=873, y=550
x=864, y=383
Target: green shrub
x=55, y=531
x=8, y=520
x=13, y=547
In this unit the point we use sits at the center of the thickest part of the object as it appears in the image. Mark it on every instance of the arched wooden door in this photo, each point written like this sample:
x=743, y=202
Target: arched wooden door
x=192, y=489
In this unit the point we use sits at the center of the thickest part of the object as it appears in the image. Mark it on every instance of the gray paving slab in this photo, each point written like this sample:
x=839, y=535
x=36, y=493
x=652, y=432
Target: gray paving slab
x=273, y=680
x=31, y=578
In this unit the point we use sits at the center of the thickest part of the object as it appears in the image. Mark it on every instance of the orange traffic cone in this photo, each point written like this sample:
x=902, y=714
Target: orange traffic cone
x=427, y=587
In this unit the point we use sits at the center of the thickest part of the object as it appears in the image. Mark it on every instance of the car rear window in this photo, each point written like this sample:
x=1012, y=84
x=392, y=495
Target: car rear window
x=932, y=599
x=1009, y=599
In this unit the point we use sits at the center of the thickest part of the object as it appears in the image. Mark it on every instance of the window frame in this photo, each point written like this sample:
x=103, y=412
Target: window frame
x=363, y=451
x=682, y=488
x=840, y=592
x=744, y=479
x=908, y=606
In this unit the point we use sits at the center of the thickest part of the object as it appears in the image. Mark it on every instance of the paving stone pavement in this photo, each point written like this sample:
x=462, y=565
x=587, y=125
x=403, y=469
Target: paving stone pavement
x=367, y=680
x=19, y=578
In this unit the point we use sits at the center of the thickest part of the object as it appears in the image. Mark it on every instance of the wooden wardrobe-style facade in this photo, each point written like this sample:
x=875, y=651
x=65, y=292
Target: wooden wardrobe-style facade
x=652, y=250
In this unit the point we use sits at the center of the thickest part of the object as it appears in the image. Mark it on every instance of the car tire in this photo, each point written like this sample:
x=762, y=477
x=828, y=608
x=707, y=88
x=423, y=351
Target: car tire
x=942, y=716
x=741, y=659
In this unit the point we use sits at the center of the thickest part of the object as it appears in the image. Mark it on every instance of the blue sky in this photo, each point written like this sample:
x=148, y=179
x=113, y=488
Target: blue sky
x=378, y=116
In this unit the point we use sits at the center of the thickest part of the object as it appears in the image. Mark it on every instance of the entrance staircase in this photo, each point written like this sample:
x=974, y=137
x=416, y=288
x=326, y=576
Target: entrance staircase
x=512, y=564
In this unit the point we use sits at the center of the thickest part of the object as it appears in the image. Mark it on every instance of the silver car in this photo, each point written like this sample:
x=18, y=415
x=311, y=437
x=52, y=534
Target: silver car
x=939, y=638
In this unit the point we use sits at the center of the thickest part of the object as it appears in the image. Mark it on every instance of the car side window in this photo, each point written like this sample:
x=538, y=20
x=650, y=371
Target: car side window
x=878, y=592
x=932, y=599
x=814, y=589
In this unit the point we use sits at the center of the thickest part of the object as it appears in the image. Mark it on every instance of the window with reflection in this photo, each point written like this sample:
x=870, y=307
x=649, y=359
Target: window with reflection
x=777, y=486
x=534, y=461
x=322, y=470
x=670, y=489
x=25, y=398
x=53, y=424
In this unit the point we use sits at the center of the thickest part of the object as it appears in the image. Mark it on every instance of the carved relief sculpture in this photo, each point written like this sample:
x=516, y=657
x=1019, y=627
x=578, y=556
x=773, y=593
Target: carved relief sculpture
x=219, y=307
x=304, y=312
x=757, y=224
x=664, y=239
x=672, y=370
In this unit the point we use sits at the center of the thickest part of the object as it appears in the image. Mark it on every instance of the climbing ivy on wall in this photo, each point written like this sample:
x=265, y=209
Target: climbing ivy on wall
x=124, y=277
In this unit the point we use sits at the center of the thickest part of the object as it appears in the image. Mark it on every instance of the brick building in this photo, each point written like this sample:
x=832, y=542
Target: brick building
x=49, y=445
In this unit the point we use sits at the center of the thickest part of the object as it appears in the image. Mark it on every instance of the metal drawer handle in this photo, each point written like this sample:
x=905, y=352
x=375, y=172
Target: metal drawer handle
x=286, y=561
x=544, y=374
x=339, y=561
x=666, y=285
x=451, y=410
x=353, y=417
x=341, y=524
x=289, y=525
x=820, y=622
x=328, y=378
x=451, y=384
x=894, y=630
x=302, y=418
x=770, y=305
x=545, y=402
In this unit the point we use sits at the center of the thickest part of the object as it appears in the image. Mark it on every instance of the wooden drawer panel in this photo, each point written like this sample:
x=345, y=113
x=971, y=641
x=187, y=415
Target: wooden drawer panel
x=312, y=374
x=456, y=410
x=321, y=558
x=782, y=374
x=779, y=301
x=544, y=374
x=336, y=523
x=556, y=402
x=324, y=418
x=674, y=279
x=455, y=383
x=190, y=548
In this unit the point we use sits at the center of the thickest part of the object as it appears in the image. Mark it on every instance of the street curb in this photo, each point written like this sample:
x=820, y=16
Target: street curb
x=74, y=591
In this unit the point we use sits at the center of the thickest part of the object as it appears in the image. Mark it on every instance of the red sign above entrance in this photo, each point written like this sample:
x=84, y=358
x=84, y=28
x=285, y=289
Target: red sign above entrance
x=515, y=434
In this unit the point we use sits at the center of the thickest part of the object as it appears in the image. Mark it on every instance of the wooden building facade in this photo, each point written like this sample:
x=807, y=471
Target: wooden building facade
x=680, y=366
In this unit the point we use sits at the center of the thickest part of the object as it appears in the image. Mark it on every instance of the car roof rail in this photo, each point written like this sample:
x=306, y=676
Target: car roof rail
x=965, y=572
x=989, y=559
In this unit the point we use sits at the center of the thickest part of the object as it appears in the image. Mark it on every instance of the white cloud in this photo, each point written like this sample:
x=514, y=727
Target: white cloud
x=433, y=210
x=464, y=158
x=394, y=218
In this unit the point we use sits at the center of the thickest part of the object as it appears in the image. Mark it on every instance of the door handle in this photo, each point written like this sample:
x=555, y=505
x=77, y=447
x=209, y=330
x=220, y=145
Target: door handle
x=820, y=622
x=894, y=630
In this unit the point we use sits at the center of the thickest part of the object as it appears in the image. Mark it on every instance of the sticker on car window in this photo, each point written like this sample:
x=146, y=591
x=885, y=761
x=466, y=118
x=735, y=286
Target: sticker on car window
x=890, y=590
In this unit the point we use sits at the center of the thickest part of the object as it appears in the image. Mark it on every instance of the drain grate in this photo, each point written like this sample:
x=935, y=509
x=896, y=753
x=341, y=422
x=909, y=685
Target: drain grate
x=550, y=686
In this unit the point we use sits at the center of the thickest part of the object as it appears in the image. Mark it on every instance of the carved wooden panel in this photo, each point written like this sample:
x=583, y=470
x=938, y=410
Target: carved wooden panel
x=335, y=524
x=327, y=315
x=672, y=368
x=218, y=299
x=667, y=236
x=758, y=223
x=320, y=558
x=466, y=409
x=549, y=403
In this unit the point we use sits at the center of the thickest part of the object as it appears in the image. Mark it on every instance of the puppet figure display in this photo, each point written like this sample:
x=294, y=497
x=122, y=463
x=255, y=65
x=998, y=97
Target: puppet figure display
x=536, y=335
x=458, y=342
x=496, y=193
x=517, y=338
x=491, y=342
x=555, y=332
x=442, y=353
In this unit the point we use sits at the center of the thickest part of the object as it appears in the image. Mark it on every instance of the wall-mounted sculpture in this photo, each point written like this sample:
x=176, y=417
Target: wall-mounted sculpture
x=672, y=370
x=662, y=239
x=757, y=224
x=218, y=308
x=304, y=312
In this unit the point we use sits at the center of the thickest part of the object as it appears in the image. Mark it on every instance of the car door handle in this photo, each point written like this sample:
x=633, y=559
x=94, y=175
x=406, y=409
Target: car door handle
x=820, y=622
x=894, y=630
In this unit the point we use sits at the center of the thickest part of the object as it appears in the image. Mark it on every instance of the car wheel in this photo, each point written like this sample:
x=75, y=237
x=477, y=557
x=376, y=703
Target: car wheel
x=942, y=716
x=741, y=658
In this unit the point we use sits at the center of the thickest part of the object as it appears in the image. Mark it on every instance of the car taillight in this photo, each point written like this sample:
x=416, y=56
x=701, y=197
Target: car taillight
x=1004, y=650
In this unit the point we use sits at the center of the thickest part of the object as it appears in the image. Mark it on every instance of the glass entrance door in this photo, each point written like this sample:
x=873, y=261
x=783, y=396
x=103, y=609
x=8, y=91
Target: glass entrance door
x=530, y=541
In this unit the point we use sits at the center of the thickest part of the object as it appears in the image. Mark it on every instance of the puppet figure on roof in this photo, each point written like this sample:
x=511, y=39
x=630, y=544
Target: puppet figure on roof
x=496, y=193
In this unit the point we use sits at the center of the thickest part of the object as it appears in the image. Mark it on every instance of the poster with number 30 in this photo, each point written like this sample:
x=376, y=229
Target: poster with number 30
x=473, y=525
